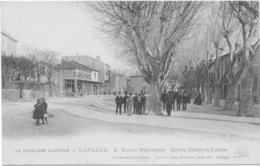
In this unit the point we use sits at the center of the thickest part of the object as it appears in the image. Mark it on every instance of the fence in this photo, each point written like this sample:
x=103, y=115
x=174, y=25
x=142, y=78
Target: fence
x=29, y=91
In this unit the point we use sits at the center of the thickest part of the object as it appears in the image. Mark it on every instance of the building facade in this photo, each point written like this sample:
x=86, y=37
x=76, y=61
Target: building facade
x=74, y=79
x=223, y=66
x=8, y=44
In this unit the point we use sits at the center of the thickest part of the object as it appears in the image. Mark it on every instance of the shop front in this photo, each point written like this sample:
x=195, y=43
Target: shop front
x=79, y=83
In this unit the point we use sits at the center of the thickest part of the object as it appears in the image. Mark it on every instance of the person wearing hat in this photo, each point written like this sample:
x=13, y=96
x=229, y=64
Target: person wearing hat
x=119, y=100
x=135, y=103
x=168, y=103
x=184, y=100
x=139, y=105
x=130, y=102
x=38, y=112
x=163, y=99
x=124, y=101
x=143, y=103
x=179, y=100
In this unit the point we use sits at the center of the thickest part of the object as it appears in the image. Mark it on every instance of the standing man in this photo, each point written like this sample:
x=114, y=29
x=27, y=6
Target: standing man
x=130, y=102
x=179, y=98
x=168, y=103
x=124, y=101
x=139, y=105
x=135, y=103
x=119, y=100
x=174, y=99
x=143, y=103
x=171, y=98
x=163, y=98
x=184, y=100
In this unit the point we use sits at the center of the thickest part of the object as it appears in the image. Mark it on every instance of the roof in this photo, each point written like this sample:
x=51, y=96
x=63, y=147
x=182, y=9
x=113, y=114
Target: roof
x=137, y=76
x=89, y=57
x=114, y=72
x=74, y=65
x=8, y=35
x=26, y=82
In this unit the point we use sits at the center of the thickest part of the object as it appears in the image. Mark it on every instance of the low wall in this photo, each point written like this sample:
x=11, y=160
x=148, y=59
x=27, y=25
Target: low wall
x=10, y=94
x=26, y=94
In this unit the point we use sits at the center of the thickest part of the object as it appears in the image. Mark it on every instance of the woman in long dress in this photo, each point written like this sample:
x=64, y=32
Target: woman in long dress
x=198, y=99
x=38, y=112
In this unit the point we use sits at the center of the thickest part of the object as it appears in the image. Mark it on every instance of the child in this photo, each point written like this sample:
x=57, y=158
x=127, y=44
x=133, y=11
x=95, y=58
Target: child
x=45, y=113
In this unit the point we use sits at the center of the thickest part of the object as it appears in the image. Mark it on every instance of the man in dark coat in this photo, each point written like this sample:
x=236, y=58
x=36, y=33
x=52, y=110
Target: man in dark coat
x=184, y=100
x=124, y=101
x=179, y=99
x=172, y=99
x=143, y=103
x=135, y=103
x=139, y=105
x=168, y=104
x=119, y=101
x=163, y=98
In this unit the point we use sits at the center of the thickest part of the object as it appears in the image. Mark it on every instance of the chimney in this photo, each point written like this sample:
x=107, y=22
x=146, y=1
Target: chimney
x=98, y=58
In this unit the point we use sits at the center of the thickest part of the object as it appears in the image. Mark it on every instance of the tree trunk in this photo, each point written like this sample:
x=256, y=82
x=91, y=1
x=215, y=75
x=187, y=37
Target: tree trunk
x=231, y=98
x=50, y=90
x=209, y=96
x=246, y=101
x=217, y=95
x=203, y=92
x=155, y=98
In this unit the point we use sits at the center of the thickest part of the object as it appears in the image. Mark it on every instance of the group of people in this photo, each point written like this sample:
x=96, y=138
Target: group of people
x=40, y=111
x=171, y=97
x=132, y=104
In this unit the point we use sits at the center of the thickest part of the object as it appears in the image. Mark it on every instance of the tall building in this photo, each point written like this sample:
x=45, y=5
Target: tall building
x=8, y=44
x=109, y=81
x=92, y=63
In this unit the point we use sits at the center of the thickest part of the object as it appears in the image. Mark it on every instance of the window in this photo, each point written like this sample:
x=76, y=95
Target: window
x=69, y=85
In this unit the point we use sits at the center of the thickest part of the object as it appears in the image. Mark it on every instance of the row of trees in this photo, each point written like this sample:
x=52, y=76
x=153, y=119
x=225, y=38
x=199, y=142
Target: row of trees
x=35, y=63
x=150, y=35
x=233, y=28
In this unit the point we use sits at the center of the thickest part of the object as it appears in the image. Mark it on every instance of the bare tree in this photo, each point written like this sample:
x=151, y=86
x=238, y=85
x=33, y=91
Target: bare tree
x=150, y=32
x=219, y=44
x=36, y=56
x=8, y=68
x=44, y=61
x=247, y=13
x=228, y=27
x=50, y=60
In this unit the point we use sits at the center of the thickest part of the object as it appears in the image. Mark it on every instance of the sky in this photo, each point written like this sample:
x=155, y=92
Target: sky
x=66, y=27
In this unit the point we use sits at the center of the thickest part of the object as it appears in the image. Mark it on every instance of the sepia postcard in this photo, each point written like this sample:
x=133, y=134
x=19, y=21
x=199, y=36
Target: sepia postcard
x=130, y=82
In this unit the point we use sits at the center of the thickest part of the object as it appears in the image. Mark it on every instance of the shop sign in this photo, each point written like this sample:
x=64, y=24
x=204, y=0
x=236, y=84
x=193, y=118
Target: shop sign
x=82, y=75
